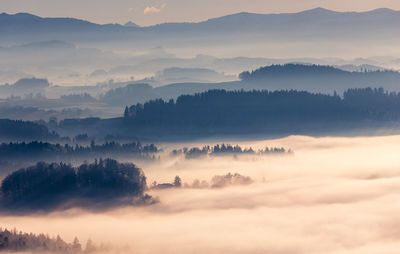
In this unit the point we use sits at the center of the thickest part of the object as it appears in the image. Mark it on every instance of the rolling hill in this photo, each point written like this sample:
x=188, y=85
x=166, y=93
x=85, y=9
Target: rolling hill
x=311, y=25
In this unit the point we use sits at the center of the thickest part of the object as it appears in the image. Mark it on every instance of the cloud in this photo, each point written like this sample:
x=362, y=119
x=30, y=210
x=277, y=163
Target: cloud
x=151, y=9
x=154, y=9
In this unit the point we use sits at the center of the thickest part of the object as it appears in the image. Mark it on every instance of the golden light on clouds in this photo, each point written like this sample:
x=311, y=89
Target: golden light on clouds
x=334, y=195
x=151, y=9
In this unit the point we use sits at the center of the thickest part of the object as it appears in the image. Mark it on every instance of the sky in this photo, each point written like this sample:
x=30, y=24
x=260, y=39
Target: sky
x=150, y=12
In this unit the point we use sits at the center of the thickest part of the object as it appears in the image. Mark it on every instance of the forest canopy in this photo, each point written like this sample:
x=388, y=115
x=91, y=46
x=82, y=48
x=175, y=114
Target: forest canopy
x=220, y=111
x=25, y=130
x=51, y=186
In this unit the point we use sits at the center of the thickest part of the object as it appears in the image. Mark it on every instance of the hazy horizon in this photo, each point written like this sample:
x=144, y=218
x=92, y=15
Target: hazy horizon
x=148, y=13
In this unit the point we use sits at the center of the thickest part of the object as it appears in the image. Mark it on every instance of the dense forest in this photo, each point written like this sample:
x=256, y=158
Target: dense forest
x=226, y=149
x=43, y=150
x=13, y=241
x=51, y=186
x=220, y=111
x=25, y=130
x=220, y=108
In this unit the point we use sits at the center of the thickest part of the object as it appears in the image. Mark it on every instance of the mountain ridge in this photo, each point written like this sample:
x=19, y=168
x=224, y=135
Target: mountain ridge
x=318, y=10
x=311, y=25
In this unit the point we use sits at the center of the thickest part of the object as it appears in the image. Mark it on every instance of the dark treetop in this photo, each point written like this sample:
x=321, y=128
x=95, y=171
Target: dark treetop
x=50, y=186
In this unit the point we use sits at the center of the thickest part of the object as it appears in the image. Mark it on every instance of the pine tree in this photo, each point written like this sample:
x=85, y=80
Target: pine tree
x=126, y=112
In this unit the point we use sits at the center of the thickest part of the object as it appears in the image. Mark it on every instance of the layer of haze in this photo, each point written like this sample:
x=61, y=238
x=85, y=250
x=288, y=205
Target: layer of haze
x=152, y=12
x=333, y=195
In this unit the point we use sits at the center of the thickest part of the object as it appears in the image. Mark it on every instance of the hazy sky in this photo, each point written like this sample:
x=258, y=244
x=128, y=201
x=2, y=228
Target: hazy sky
x=148, y=12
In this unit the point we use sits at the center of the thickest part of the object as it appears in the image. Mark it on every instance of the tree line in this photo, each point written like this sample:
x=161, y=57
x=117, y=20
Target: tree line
x=281, y=111
x=226, y=149
x=41, y=150
x=14, y=241
x=234, y=108
x=302, y=70
x=290, y=69
x=25, y=130
x=217, y=181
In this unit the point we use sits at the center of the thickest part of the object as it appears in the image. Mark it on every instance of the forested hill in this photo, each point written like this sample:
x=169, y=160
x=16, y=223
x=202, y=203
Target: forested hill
x=293, y=69
x=318, y=78
x=24, y=131
x=311, y=78
x=54, y=186
x=220, y=111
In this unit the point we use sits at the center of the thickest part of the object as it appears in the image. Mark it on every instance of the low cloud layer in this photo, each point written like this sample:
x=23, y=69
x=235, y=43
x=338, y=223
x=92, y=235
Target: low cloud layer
x=333, y=195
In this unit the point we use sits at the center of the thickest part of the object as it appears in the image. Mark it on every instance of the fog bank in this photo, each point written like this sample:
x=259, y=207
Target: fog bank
x=333, y=195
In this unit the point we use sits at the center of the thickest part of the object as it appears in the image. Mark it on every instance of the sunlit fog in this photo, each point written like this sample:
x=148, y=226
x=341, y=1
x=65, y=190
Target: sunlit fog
x=331, y=195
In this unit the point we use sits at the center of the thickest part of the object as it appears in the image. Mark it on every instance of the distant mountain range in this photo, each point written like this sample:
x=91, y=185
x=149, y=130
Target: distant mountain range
x=312, y=25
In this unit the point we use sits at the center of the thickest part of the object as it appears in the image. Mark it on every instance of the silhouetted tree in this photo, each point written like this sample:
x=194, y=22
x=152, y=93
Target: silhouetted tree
x=177, y=181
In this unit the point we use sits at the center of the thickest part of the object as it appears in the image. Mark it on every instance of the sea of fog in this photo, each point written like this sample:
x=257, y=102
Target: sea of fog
x=332, y=195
